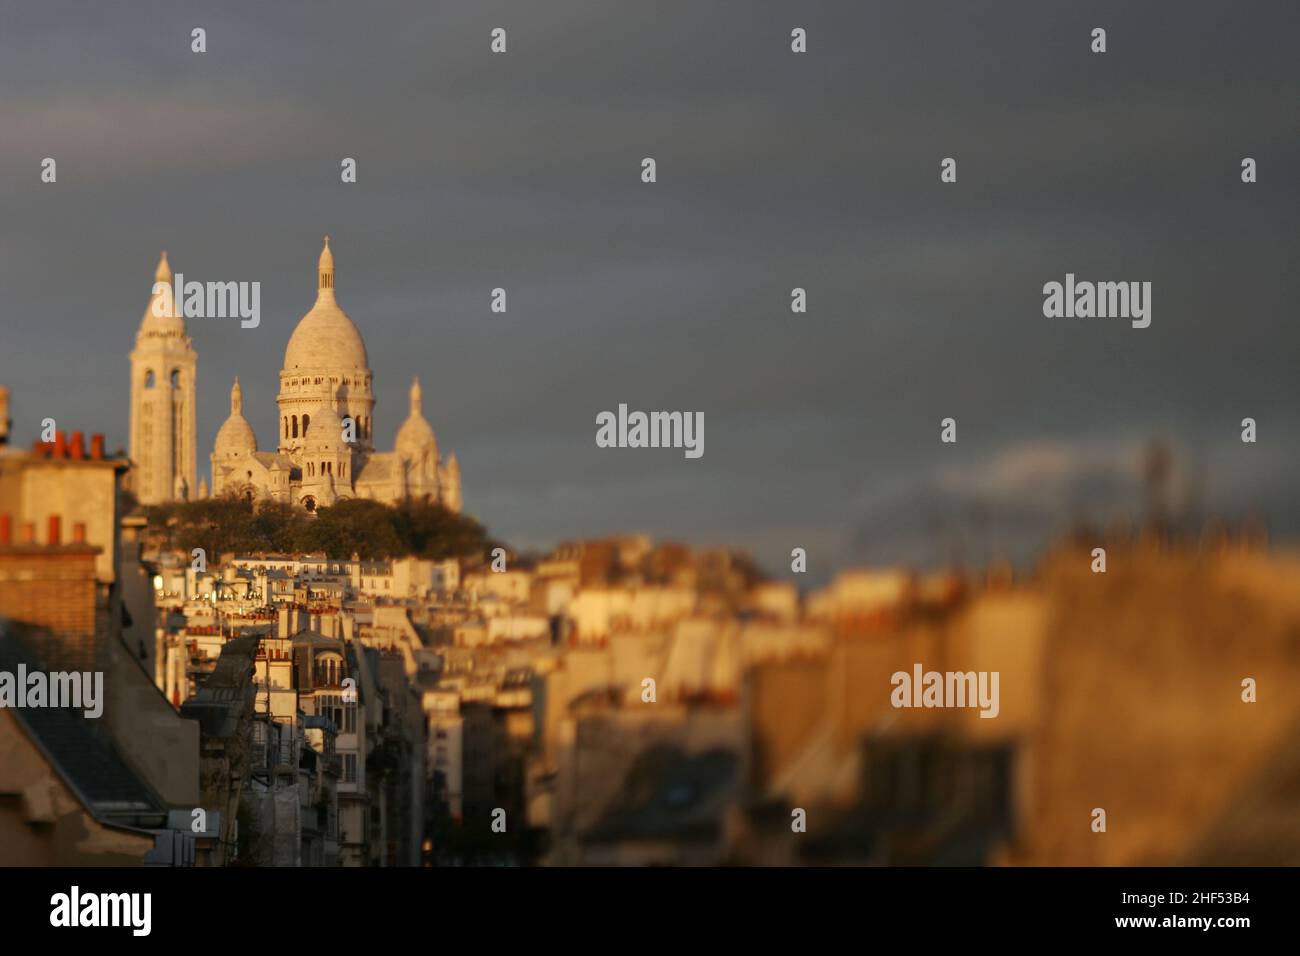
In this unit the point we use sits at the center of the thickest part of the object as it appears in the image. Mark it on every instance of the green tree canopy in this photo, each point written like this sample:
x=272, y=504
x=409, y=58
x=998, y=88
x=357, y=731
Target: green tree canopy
x=371, y=529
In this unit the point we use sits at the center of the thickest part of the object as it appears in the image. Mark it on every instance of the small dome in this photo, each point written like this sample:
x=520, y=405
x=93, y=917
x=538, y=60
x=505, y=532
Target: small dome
x=416, y=434
x=235, y=436
x=325, y=427
x=325, y=338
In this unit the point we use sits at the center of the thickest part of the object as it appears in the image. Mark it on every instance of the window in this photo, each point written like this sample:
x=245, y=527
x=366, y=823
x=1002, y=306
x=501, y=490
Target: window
x=148, y=379
x=306, y=420
x=176, y=378
x=295, y=425
x=349, y=768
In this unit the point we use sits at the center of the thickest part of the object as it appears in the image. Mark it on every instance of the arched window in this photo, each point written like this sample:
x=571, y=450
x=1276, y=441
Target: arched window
x=295, y=425
x=306, y=420
x=176, y=378
x=286, y=426
x=148, y=379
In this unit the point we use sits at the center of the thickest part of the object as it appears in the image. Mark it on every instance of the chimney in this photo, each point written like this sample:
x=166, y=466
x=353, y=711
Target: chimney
x=56, y=530
x=97, y=447
x=6, y=528
x=286, y=620
x=60, y=444
x=78, y=447
x=29, y=532
x=79, y=532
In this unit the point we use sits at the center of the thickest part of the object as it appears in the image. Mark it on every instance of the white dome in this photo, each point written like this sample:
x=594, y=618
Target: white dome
x=325, y=427
x=235, y=435
x=325, y=339
x=416, y=434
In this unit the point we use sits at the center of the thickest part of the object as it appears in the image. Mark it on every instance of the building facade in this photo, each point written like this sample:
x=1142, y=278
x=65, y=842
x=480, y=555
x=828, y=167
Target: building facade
x=325, y=448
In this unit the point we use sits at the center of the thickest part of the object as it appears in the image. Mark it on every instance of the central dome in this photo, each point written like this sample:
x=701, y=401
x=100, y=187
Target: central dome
x=325, y=338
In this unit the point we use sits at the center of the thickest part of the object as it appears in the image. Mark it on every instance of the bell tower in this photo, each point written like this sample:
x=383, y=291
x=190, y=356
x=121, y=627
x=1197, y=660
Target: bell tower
x=163, y=369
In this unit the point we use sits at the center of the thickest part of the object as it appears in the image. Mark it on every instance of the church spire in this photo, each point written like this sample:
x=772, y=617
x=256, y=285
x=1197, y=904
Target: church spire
x=325, y=271
x=236, y=398
x=164, y=271
x=415, y=397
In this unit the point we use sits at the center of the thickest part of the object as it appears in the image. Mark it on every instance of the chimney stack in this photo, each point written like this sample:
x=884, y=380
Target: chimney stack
x=6, y=528
x=56, y=530
x=286, y=620
x=97, y=447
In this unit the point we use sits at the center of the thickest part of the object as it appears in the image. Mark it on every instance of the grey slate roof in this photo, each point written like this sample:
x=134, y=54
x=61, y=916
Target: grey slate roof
x=83, y=757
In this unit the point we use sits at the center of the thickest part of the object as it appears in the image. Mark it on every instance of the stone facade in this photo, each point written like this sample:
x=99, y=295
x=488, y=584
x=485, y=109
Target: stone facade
x=325, y=446
x=163, y=367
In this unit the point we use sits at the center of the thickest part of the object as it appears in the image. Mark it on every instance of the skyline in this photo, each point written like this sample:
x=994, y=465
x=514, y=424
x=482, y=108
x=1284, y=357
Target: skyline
x=821, y=173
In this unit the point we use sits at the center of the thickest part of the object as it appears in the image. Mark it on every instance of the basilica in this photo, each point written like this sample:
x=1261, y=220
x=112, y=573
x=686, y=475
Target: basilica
x=325, y=440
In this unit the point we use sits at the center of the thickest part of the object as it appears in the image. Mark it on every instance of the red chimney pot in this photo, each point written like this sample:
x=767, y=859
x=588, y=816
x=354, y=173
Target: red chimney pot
x=78, y=448
x=79, y=532
x=56, y=530
x=6, y=529
x=97, y=447
x=60, y=444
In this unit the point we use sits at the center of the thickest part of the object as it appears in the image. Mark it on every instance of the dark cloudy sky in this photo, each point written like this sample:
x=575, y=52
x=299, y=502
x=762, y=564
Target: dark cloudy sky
x=775, y=170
